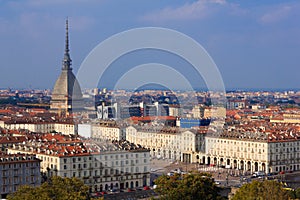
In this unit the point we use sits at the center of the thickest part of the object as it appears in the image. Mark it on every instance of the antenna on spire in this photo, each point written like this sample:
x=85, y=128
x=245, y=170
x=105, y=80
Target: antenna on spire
x=67, y=36
x=67, y=60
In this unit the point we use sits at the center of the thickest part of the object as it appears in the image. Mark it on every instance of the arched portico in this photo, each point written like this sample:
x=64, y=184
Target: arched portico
x=234, y=164
x=242, y=165
x=263, y=167
x=256, y=166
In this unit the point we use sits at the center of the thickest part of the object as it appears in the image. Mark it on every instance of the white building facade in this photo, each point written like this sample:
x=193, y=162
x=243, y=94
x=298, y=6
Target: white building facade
x=170, y=143
x=114, y=165
x=252, y=152
x=42, y=127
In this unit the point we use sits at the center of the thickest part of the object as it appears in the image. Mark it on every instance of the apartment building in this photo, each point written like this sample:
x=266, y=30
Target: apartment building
x=168, y=142
x=286, y=118
x=253, y=151
x=101, y=165
x=17, y=170
x=64, y=127
x=107, y=130
x=8, y=140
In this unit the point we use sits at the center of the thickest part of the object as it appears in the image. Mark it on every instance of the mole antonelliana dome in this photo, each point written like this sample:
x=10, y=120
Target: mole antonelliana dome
x=66, y=94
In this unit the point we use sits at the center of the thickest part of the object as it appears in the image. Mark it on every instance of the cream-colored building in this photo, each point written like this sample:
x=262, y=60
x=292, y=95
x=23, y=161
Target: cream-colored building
x=214, y=112
x=197, y=111
x=175, y=110
x=100, y=165
x=108, y=130
x=253, y=151
x=286, y=118
x=170, y=143
x=65, y=128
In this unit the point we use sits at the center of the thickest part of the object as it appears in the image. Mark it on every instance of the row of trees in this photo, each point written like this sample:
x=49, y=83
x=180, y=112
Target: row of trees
x=202, y=186
x=189, y=187
x=264, y=190
x=192, y=186
x=55, y=188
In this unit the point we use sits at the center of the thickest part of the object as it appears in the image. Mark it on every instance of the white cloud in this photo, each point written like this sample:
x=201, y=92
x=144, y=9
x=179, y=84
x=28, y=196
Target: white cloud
x=276, y=14
x=190, y=11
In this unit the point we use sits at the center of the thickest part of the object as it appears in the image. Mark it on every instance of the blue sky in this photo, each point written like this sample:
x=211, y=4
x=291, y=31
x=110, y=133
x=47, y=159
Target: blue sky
x=255, y=44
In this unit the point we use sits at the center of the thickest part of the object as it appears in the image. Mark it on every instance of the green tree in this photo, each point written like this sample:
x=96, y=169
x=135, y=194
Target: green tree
x=265, y=190
x=57, y=188
x=189, y=187
x=297, y=193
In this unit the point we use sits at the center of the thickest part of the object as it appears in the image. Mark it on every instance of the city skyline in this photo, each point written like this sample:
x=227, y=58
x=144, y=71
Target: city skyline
x=254, y=44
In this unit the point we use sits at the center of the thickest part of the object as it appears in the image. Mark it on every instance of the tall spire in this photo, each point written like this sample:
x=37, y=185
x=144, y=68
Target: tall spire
x=67, y=60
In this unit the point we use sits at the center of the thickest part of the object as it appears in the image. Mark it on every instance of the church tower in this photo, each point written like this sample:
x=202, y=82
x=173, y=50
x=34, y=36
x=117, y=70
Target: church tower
x=66, y=95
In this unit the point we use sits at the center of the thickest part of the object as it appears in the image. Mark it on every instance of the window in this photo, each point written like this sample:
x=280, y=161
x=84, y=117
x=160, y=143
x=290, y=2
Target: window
x=65, y=166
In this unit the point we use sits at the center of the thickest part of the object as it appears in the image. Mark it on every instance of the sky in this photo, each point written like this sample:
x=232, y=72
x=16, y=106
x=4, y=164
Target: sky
x=254, y=44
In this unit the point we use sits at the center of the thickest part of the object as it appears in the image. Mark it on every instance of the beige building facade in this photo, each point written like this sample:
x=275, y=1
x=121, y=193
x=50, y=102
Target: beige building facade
x=108, y=131
x=250, y=152
x=65, y=128
x=171, y=143
x=118, y=165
